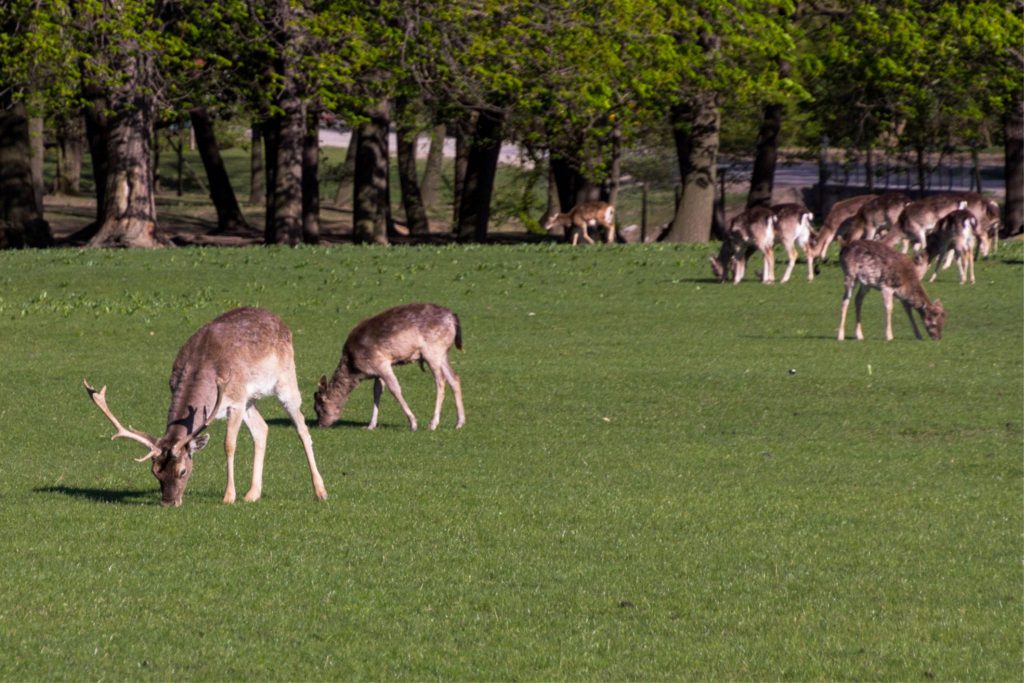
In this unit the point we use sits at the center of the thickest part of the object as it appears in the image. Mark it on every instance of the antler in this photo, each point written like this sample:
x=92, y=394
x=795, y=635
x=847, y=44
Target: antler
x=208, y=417
x=100, y=399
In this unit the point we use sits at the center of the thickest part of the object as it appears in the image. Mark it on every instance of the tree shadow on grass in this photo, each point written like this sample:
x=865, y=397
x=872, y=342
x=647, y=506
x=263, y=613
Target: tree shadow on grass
x=120, y=497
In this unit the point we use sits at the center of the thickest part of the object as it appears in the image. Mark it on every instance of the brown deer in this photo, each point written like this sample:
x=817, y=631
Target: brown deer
x=986, y=212
x=754, y=229
x=920, y=218
x=954, y=237
x=881, y=212
x=582, y=217
x=841, y=212
x=793, y=229
x=874, y=265
x=221, y=370
x=399, y=335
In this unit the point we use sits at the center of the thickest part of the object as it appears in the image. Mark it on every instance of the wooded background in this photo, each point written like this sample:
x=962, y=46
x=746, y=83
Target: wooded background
x=575, y=85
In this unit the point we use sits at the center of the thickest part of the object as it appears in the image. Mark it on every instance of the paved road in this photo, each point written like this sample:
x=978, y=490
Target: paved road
x=802, y=174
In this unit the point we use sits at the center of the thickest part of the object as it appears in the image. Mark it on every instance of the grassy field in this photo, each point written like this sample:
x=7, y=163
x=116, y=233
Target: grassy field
x=661, y=478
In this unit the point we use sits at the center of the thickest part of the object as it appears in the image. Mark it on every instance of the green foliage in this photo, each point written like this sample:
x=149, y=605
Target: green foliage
x=643, y=489
x=928, y=74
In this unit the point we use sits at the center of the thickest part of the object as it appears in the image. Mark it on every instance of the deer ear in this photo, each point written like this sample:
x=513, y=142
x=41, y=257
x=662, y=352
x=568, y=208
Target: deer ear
x=323, y=381
x=197, y=444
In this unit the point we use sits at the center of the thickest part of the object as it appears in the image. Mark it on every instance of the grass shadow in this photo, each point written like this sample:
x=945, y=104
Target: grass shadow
x=121, y=497
x=311, y=423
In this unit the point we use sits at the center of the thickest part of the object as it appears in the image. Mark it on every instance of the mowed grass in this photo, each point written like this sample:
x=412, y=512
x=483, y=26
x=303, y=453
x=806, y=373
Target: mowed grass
x=661, y=478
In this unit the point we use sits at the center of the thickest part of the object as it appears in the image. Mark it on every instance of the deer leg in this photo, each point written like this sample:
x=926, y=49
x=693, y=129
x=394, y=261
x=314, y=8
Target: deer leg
x=258, y=429
x=435, y=369
x=610, y=237
x=575, y=236
x=842, y=310
x=230, y=443
x=913, y=323
x=858, y=330
x=378, y=389
x=887, y=303
x=769, y=265
x=388, y=375
x=456, y=384
x=291, y=400
x=586, y=234
x=938, y=262
x=791, y=254
x=739, y=268
x=970, y=263
x=809, y=254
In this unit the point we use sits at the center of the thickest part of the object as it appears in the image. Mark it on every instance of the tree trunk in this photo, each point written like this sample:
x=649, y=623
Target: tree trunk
x=762, y=179
x=434, y=166
x=286, y=226
x=696, y=130
x=35, y=136
x=97, y=133
x=1014, y=165
x=370, y=186
x=229, y=214
x=481, y=168
x=465, y=128
x=412, y=200
x=572, y=187
x=343, y=196
x=21, y=214
x=311, y=178
x=130, y=216
x=271, y=132
x=70, y=135
x=257, y=188
x=611, y=195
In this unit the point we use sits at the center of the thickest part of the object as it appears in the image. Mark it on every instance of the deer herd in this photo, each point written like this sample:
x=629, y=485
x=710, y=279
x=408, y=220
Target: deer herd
x=246, y=353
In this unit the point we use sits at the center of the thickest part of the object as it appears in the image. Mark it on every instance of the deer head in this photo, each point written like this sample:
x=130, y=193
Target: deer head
x=171, y=454
x=934, y=316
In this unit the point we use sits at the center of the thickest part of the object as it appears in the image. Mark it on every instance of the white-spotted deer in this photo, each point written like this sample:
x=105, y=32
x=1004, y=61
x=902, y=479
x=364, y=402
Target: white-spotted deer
x=881, y=212
x=954, y=237
x=793, y=229
x=754, y=229
x=841, y=212
x=221, y=370
x=399, y=335
x=920, y=217
x=874, y=265
x=583, y=216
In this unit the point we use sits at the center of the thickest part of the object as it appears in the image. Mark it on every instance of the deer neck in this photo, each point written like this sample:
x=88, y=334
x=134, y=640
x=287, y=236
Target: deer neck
x=915, y=295
x=193, y=396
x=341, y=385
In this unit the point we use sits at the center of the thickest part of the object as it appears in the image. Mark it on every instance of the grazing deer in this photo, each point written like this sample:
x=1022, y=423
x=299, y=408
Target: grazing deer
x=582, y=217
x=986, y=212
x=838, y=215
x=881, y=212
x=399, y=335
x=873, y=264
x=754, y=229
x=920, y=218
x=955, y=236
x=793, y=229
x=221, y=370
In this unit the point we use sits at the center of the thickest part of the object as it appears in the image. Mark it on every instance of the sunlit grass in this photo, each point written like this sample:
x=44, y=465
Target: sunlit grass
x=660, y=477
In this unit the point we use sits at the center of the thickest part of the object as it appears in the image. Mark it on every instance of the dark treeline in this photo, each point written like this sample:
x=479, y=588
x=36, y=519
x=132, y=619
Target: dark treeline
x=573, y=83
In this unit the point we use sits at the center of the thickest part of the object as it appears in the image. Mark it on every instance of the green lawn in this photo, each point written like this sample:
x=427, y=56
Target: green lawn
x=645, y=489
